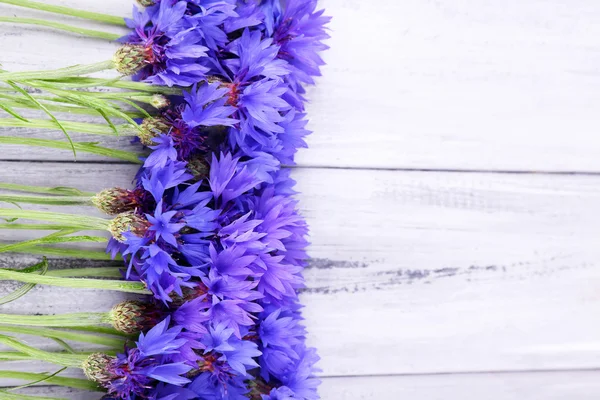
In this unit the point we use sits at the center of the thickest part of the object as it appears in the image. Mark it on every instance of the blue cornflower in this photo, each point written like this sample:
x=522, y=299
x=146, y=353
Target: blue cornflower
x=232, y=261
x=301, y=378
x=299, y=31
x=238, y=354
x=226, y=181
x=173, y=44
x=158, y=180
x=280, y=331
x=162, y=226
x=206, y=106
x=160, y=340
x=280, y=393
x=208, y=387
x=163, y=152
x=193, y=314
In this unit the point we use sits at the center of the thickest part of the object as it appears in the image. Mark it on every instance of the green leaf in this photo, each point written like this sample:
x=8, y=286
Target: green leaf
x=41, y=268
x=43, y=108
x=13, y=113
x=43, y=379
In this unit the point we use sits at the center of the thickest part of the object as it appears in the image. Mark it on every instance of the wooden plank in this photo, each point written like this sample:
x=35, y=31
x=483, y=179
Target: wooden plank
x=580, y=385
x=422, y=272
x=477, y=85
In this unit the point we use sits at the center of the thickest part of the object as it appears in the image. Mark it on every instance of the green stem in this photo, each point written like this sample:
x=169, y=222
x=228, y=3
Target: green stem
x=48, y=200
x=18, y=396
x=36, y=227
x=56, y=321
x=81, y=146
x=105, y=330
x=66, y=360
x=57, y=73
x=59, y=190
x=14, y=356
x=100, y=272
x=71, y=220
x=76, y=283
x=71, y=253
x=109, y=19
x=79, y=81
x=51, y=239
x=75, y=383
x=81, y=127
x=65, y=335
x=63, y=27
x=14, y=102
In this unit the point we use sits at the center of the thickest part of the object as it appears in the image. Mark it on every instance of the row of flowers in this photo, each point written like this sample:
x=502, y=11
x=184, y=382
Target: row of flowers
x=211, y=227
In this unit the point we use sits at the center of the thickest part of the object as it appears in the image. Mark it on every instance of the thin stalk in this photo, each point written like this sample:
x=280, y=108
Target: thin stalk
x=56, y=321
x=80, y=82
x=57, y=73
x=71, y=253
x=64, y=335
x=71, y=220
x=75, y=383
x=66, y=360
x=48, y=200
x=81, y=146
x=36, y=227
x=14, y=356
x=75, y=283
x=51, y=239
x=58, y=190
x=100, y=272
x=18, y=396
x=12, y=102
x=81, y=127
x=105, y=330
x=63, y=27
x=109, y=19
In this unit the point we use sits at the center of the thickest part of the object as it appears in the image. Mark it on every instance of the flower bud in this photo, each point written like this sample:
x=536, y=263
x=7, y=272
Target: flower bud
x=116, y=200
x=130, y=58
x=188, y=294
x=151, y=128
x=198, y=167
x=134, y=316
x=127, y=222
x=159, y=101
x=97, y=368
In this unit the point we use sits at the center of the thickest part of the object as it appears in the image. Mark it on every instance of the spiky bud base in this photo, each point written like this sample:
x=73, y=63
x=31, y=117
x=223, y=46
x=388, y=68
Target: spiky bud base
x=151, y=128
x=127, y=222
x=97, y=366
x=130, y=58
x=198, y=167
x=116, y=200
x=134, y=316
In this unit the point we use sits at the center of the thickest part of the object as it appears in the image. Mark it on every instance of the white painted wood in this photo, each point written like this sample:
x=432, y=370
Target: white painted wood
x=531, y=386
x=490, y=85
x=417, y=272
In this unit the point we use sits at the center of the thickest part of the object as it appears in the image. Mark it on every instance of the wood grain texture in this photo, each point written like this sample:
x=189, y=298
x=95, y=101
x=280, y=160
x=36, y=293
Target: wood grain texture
x=420, y=84
x=580, y=385
x=422, y=272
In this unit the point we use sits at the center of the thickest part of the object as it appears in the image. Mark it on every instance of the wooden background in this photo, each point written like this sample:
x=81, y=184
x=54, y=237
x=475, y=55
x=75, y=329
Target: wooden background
x=451, y=186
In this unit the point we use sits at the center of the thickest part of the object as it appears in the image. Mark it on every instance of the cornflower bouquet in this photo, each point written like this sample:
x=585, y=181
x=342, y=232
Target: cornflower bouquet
x=209, y=235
